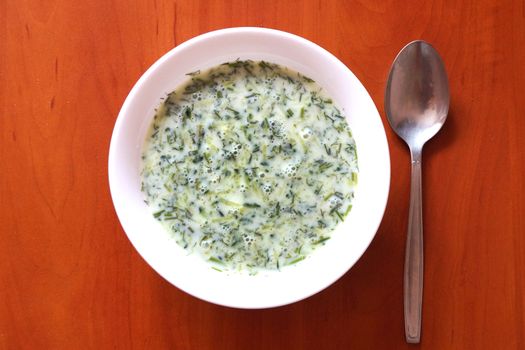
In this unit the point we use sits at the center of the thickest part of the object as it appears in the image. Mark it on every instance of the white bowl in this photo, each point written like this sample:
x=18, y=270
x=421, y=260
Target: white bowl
x=188, y=271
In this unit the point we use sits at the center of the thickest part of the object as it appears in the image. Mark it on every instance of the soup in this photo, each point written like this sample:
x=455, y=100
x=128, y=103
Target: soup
x=250, y=165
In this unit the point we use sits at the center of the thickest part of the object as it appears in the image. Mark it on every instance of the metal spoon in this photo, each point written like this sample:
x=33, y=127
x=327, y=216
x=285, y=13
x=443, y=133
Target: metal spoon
x=416, y=104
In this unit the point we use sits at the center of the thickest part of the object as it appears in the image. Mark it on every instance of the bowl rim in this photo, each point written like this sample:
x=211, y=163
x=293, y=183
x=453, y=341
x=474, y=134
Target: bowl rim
x=138, y=86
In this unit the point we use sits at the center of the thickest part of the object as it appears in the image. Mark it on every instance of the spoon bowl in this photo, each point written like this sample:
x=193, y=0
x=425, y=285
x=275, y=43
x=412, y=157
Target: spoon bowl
x=417, y=95
x=417, y=99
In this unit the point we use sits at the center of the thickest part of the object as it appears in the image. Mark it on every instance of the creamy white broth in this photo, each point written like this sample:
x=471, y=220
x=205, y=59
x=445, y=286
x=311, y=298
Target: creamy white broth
x=250, y=165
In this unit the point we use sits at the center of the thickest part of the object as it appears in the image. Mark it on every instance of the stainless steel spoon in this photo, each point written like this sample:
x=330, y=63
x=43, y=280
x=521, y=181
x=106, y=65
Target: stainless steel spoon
x=416, y=103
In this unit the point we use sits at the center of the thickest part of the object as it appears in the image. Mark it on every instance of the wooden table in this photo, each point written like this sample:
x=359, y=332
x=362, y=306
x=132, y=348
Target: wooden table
x=70, y=279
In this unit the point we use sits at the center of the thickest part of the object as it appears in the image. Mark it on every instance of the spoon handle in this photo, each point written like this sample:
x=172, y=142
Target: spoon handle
x=413, y=283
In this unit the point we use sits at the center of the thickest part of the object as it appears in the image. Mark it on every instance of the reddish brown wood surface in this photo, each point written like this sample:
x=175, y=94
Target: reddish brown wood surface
x=70, y=279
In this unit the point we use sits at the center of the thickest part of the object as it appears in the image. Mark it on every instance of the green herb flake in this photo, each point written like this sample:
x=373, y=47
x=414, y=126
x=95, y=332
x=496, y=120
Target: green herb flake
x=216, y=260
x=296, y=260
x=251, y=205
x=322, y=240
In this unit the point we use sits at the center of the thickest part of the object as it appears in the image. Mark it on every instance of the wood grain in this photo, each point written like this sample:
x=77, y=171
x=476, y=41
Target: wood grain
x=70, y=279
